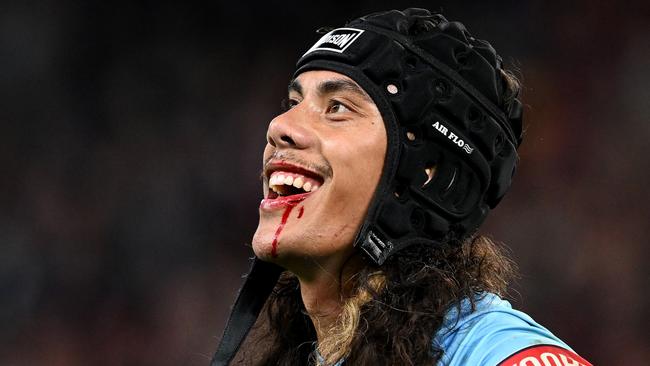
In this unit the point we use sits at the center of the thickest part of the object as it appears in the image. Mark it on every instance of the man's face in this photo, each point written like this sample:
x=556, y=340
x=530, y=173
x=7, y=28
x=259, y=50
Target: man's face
x=322, y=163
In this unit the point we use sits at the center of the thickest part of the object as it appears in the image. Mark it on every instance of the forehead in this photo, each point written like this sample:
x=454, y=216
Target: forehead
x=323, y=82
x=314, y=76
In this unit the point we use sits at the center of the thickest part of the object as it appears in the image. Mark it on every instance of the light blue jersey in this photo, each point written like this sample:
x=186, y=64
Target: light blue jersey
x=494, y=333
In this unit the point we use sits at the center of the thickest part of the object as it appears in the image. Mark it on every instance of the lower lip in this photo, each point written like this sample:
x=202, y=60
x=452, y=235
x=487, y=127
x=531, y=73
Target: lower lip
x=268, y=204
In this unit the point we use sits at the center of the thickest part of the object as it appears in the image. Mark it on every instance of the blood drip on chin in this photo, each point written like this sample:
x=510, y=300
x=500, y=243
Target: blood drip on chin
x=285, y=217
x=302, y=210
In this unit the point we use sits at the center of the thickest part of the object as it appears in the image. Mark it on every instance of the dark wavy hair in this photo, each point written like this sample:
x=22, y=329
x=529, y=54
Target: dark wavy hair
x=405, y=302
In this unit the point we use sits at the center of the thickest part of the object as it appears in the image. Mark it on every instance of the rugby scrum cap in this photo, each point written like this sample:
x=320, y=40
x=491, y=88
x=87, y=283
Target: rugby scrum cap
x=452, y=131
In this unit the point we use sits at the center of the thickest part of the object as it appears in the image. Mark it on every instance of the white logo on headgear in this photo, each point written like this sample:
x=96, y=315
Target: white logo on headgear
x=453, y=137
x=337, y=40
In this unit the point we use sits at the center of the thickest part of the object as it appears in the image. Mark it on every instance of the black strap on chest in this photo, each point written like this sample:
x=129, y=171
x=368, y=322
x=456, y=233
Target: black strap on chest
x=259, y=284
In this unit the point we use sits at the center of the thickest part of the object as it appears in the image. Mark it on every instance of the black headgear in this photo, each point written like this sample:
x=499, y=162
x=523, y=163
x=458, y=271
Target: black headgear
x=453, y=130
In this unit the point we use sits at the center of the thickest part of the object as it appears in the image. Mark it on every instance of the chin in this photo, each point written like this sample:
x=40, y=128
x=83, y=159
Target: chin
x=262, y=245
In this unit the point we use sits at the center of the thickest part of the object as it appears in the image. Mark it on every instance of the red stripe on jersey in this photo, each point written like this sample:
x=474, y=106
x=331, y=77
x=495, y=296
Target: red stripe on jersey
x=545, y=355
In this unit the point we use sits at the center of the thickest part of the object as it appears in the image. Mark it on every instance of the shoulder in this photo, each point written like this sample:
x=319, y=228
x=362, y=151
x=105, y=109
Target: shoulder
x=493, y=333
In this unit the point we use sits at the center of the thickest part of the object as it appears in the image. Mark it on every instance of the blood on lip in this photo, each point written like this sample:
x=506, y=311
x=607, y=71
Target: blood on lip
x=274, y=200
x=283, y=201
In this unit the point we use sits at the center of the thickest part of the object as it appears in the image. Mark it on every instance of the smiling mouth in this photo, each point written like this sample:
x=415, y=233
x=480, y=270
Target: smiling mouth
x=282, y=184
x=288, y=185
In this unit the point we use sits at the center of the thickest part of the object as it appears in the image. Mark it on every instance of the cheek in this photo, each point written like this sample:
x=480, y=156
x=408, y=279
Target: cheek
x=357, y=168
x=362, y=164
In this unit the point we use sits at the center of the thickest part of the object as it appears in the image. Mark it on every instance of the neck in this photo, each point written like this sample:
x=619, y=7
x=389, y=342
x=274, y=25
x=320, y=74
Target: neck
x=323, y=299
x=323, y=293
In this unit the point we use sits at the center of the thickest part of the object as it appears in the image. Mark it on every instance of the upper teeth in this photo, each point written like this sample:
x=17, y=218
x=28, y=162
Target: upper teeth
x=298, y=181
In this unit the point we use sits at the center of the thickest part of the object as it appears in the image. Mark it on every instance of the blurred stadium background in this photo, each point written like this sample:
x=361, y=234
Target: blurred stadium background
x=131, y=135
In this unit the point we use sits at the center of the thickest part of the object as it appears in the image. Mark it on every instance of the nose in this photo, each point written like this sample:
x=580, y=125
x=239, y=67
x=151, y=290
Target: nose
x=290, y=130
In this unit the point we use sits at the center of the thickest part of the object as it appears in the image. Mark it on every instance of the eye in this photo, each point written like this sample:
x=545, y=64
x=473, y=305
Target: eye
x=288, y=103
x=337, y=107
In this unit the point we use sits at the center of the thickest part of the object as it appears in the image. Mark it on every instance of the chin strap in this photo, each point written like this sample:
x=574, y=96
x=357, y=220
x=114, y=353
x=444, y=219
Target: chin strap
x=260, y=281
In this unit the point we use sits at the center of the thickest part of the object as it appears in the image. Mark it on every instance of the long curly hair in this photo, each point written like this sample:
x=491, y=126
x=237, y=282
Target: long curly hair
x=391, y=314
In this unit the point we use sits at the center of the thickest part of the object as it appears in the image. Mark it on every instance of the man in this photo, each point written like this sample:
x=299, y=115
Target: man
x=399, y=136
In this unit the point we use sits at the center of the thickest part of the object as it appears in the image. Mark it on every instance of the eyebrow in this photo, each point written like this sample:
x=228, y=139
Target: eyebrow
x=295, y=86
x=332, y=86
